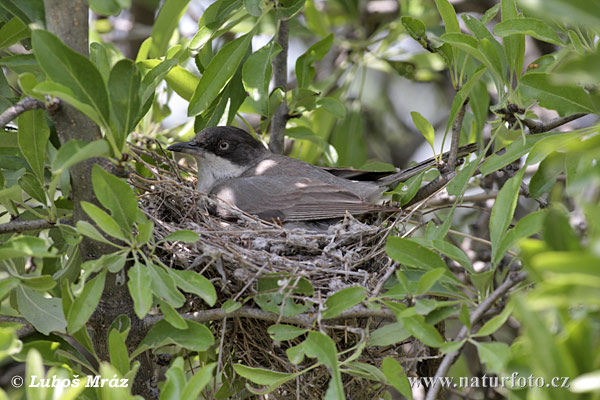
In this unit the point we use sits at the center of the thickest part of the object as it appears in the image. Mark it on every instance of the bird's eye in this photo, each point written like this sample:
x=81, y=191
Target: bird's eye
x=223, y=145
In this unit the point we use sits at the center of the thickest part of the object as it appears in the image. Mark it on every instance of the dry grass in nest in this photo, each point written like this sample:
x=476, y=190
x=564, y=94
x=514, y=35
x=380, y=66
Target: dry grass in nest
x=234, y=255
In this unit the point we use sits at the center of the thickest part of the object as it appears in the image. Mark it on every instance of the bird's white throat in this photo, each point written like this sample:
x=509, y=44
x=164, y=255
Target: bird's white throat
x=213, y=170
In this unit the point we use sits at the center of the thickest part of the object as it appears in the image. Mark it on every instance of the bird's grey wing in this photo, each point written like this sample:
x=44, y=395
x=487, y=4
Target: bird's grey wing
x=287, y=198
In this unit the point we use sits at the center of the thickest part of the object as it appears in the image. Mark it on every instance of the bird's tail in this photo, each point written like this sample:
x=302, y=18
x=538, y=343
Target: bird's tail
x=401, y=176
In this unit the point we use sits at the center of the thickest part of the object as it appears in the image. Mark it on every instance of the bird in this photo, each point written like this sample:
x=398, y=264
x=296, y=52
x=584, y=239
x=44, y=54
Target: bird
x=241, y=171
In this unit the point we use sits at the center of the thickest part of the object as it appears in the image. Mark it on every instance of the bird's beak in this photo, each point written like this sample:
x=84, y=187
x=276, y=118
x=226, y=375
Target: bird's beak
x=183, y=147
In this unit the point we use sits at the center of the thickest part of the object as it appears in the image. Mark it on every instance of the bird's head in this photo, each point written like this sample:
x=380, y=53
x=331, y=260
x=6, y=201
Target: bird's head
x=221, y=152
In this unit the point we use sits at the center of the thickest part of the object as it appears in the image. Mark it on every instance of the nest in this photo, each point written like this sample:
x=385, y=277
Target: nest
x=236, y=255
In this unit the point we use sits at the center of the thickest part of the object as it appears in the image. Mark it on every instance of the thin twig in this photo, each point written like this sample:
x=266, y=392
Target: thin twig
x=26, y=330
x=248, y=312
x=476, y=198
x=276, y=141
x=540, y=127
x=476, y=315
x=33, y=225
x=456, y=128
x=25, y=104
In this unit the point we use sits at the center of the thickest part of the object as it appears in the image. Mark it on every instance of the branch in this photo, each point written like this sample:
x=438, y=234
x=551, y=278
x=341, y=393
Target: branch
x=540, y=127
x=25, y=104
x=26, y=330
x=33, y=225
x=248, y=312
x=276, y=142
x=456, y=128
x=476, y=315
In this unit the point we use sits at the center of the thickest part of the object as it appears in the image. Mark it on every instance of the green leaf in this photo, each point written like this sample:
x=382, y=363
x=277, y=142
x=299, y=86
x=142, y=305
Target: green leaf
x=116, y=196
x=343, y=300
x=117, y=350
x=548, y=145
x=388, y=335
x=85, y=304
x=216, y=15
x=283, y=332
x=183, y=235
x=34, y=367
x=465, y=316
x=558, y=233
x=42, y=282
x=154, y=77
x=231, y=305
x=416, y=29
x=262, y=376
x=545, y=177
x=33, y=137
x=108, y=7
x=448, y=15
x=453, y=252
x=503, y=210
x=495, y=323
x=408, y=189
x=525, y=227
x=139, y=281
x=253, y=7
x=26, y=11
x=124, y=87
x=75, y=151
x=13, y=32
x=495, y=355
x=332, y=106
x=450, y=347
x=528, y=26
x=395, y=375
x=163, y=286
x=172, y=316
x=87, y=229
x=426, y=333
x=305, y=72
x=322, y=346
x=275, y=294
x=513, y=151
x=66, y=67
x=490, y=14
x=103, y=220
x=178, y=78
x=193, y=282
x=479, y=49
x=7, y=285
x=424, y=127
x=196, y=337
x=429, y=279
x=463, y=94
x=45, y=314
x=316, y=20
x=218, y=73
x=412, y=254
x=197, y=382
x=32, y=186
x=256, y=76
x=288, y=9
x=514, y=45
x=24, y=246
x=565, y=99
x=49, y=88
x=166, y=22
x=100, y=58
x=145, y=231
